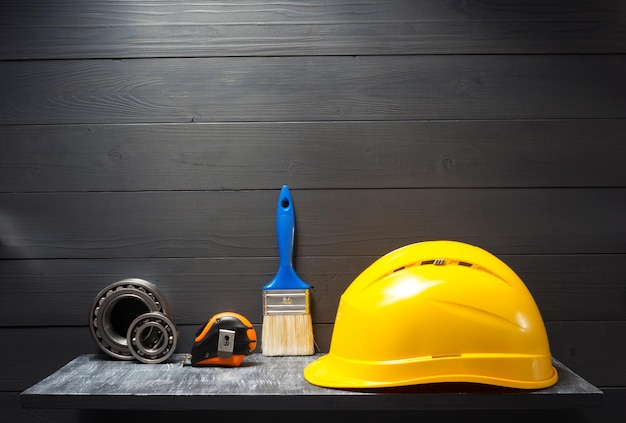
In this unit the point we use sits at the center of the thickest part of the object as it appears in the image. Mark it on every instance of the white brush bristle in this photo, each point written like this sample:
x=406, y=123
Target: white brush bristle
x=287, y=335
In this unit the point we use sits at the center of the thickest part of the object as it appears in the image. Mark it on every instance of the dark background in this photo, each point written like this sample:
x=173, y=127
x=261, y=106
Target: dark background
x=150, y=139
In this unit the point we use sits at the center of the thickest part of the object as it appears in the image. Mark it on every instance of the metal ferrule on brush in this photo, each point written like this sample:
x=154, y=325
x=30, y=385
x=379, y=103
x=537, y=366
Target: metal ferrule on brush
x=286, y=301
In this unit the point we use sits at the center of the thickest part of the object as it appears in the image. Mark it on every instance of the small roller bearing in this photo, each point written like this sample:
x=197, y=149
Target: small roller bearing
x=152, y=338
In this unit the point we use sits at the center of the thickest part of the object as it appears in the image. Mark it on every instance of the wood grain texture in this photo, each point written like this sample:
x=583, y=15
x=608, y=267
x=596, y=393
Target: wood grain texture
x=149, y=139
x=273, y=383
x=313, y=155
x=270, y=89
x=565, y=287
x=328, y=223
x=119, y=29
x=579, y=344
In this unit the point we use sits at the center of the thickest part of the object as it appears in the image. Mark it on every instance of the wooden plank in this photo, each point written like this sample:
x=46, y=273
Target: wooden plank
x=575, y=344
x=611, y=411
x=594, y=349
x=12, y=412
x=244, y=89
x=35, y=353
x=115, y=29
x=330, y=223
x=274, y=383
x=10, y=406
x=313, y=155
x=572, y=287
x=613, y=407
x=61, y=292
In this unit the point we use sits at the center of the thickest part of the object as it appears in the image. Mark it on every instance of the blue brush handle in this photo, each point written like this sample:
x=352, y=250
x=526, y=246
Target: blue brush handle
x=286, y=278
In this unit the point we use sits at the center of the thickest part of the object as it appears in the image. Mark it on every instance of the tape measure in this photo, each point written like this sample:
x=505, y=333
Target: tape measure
x=224, y=340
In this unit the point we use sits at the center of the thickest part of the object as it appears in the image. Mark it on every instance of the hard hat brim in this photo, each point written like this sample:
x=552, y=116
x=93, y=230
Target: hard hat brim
x=332, y=372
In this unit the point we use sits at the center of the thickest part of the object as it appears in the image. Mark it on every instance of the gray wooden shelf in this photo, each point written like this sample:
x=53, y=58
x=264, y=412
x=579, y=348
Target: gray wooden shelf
x=273, y=383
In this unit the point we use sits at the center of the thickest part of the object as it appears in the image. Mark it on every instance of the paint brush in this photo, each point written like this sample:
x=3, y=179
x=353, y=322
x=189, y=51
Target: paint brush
x=287, y=324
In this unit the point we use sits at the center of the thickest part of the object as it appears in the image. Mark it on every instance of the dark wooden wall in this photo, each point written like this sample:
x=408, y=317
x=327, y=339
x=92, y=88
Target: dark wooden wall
x=151, y=138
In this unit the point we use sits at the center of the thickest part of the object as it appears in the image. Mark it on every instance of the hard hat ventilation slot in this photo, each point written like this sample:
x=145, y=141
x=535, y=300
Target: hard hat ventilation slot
x=441, y=262
x=437, y=262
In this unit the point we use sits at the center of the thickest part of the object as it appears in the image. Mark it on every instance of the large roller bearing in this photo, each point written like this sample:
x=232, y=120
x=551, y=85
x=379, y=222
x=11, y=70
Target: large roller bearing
x=116, y=307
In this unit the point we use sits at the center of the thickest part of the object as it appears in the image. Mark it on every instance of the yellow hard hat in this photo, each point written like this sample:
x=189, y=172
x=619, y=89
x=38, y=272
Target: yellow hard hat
x=436, y=311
